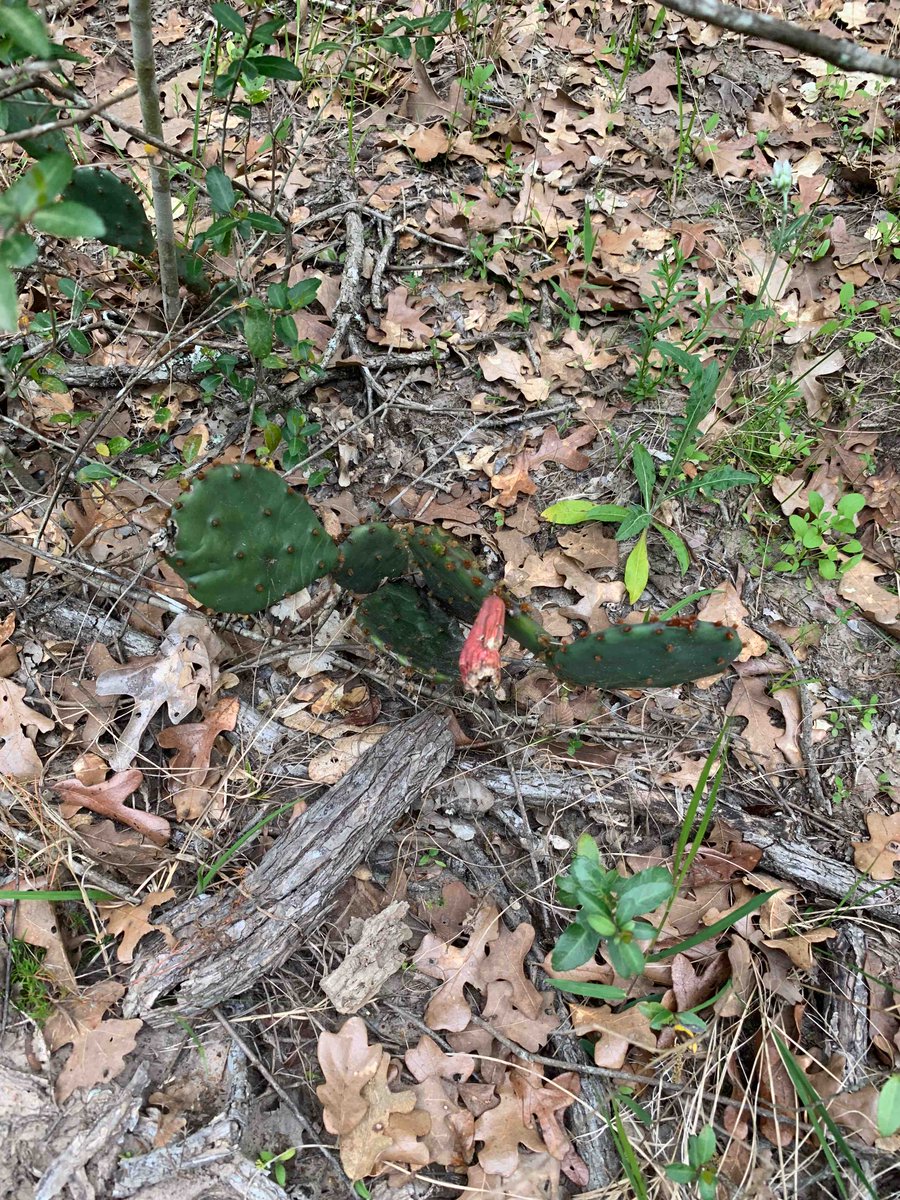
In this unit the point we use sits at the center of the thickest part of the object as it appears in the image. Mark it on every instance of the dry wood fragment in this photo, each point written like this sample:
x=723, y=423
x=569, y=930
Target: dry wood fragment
x=227, y=940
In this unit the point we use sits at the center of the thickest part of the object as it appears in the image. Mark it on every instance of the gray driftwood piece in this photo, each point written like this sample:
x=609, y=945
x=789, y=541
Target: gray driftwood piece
x=226, y=941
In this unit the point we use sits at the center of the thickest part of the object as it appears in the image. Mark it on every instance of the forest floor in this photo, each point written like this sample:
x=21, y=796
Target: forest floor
x=295, y=906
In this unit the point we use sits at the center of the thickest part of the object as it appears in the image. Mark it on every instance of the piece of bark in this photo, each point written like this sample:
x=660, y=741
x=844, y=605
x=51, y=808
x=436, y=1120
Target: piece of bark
x=226, y=941
x=844, y=989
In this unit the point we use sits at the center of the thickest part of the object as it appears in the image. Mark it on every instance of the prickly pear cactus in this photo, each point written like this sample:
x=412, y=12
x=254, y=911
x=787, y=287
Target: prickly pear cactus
x=452, y=573
x=658, y=654
x=371, y=554
x=407, y=624
x=245, y=540
x=122, y=212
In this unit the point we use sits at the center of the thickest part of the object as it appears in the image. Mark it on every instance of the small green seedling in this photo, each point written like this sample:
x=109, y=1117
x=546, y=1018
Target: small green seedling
x=274, y=1163
x=698, y=1169
x=609, y=905
x=640, y=517
x=815, y=538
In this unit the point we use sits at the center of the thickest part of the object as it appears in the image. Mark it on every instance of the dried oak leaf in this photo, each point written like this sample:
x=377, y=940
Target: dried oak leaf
x=133, y=922
x=99, y=1047
x=502, y=1130
x=108, y=799
x=456, y=966
x=332, y=764
x=401, y=326
x=189, y=768
x=799, y=949
x=37, y=924
x=874, y=601
x=174, y=677
x=876, y=858
x=535, y=1178
x=9, y=655
x=762, y=745
x=123, y=849
x=18, y=757
x=547, y=1101
x=618, y=1031
x=658, y=78
x=492, y=955
x=515, y=368
x=76, y=698
x=566, y=451
x=348, y=1063
x=364, y=1147
x=725, y=605
x=450, y=1140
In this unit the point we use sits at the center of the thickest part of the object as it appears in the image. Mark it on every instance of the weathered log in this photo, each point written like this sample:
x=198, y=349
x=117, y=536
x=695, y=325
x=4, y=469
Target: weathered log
x=226, y=941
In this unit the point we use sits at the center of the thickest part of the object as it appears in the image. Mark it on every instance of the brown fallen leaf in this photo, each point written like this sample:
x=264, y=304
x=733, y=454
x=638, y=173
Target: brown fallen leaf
x=174, y=678
x=372, y=1141
x=566, y=451
x=876, y=857
x=514, y=368
x=348, y=1063
x=133, y=922
x=725, y=605
x=18, y=757
x=108, y=799
x=618, y=1031
x=873, y=599
x=189, y=768
x=402, y=326
x=799, y=949
x=37, y=924
x=99, y=1047
x=450, y=1140
x=502, y=1130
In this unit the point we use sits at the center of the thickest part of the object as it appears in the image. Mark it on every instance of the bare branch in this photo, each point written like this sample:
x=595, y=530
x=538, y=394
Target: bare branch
x=844, y=54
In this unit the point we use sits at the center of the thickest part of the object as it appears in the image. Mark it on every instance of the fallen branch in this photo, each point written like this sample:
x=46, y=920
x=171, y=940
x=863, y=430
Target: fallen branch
x=841, y=53
x=227, y=940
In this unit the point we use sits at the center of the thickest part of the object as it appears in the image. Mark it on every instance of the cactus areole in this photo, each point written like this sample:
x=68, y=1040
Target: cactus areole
x=245, y=540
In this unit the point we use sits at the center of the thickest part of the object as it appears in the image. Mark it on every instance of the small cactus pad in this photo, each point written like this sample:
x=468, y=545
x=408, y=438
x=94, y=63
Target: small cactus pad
x=369, y=555
x=452, y=573
x=245, y=540
x=122, y=212
x=658, y=654
x=417, y=632
x=24, y=111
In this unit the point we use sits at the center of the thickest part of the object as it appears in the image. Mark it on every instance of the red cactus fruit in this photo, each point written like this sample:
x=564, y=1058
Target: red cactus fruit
x=479, y=660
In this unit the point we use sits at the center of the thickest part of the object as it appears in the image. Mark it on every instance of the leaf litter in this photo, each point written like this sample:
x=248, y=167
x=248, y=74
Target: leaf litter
x=492, y=281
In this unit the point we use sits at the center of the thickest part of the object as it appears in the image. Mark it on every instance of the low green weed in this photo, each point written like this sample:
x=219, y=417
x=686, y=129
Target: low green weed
x=274, y=1163
x=823, y=538
x=698, y=1169
x=851, y=310
x=638, y=518
x=29, y=987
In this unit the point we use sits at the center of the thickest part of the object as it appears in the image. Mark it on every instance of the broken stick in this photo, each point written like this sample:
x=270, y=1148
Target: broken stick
x=226, y=941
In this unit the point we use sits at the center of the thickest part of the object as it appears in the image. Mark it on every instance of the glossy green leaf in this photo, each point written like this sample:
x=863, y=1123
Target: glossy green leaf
x=644, y=471
x=17, y=250
x=258, y=331
x=576, y=946
x=677, y=545
x=637, y=569
x=9, y=306
x=571, y=512
x=888, y=1112
x=26, y=30
x=271, y=66
x=69, y=220
x=225, y=16
x=593, y=991
x=221, y=191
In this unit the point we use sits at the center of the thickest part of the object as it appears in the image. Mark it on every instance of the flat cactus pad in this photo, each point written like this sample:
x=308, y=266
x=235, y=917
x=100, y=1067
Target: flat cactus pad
x=658, y=654
x=246, y=540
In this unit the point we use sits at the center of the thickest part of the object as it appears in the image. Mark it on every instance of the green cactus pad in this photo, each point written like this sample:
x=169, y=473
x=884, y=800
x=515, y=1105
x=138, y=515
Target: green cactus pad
x=413, y=629
x=122, y=212
x=658, y=654
x=245, y=540
x=525, y=629
x=25, y=111
x=452, y=573
x=371, y=554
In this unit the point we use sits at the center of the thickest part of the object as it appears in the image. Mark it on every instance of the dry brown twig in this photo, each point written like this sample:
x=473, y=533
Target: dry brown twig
x=841, y=53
